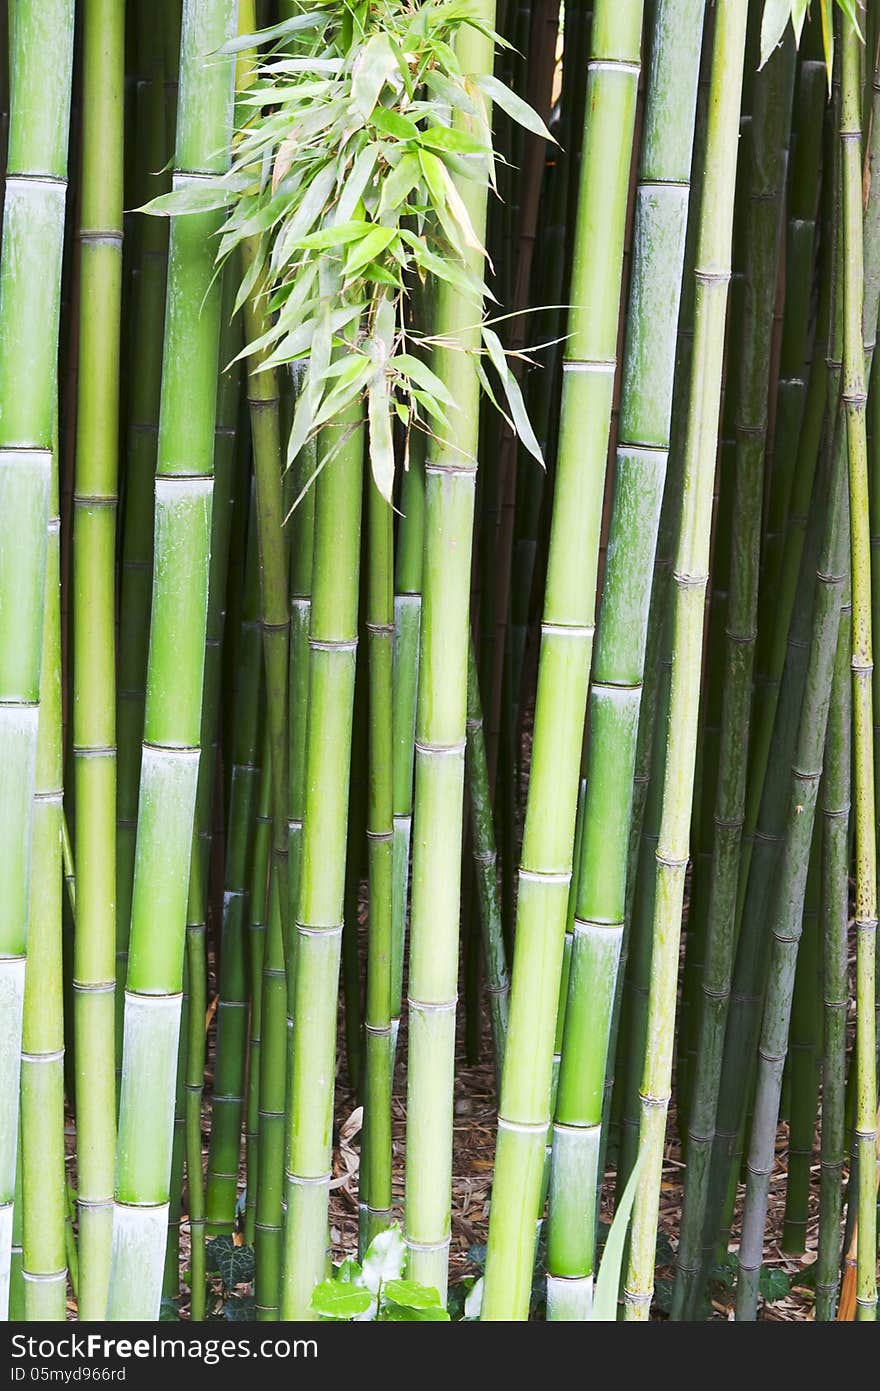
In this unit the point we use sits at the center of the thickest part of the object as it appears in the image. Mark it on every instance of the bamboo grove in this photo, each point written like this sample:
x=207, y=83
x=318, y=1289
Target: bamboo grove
x=439, y=525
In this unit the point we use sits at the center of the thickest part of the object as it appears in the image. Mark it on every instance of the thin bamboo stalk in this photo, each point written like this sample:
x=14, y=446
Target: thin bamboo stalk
x=169, y=767
x=566, y=648
x=94, y=639
x=835, y=982
x=43, y=1186
x=854, y=396
x=30, y=284
x=332, y=652
x=712, y=274
x=450, y=484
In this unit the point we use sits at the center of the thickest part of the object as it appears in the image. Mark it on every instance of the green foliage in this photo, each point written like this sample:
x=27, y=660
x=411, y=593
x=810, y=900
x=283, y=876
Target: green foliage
x=777, y=14
x=611, y=1267
x=234, y=1264
x=354, y=137
x=375, y=1290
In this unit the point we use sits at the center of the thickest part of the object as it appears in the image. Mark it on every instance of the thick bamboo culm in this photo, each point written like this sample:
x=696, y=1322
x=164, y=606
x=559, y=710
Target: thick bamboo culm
x=169, y=767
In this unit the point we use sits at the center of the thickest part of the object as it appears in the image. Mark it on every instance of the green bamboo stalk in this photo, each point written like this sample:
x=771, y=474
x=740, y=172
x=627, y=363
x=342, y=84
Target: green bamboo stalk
x=332, y=650
x=94, y=639
x=854, y=396
x=375, y=1199
x=169, y=767
x=200, y=862
x=646, y=407
x=407, y=625
x=136, y=561
x=835, y=981
x=273, y=1084
x=30, y=284
x=44, y=1190
x=566, y=647
x=450, y=484
x=712, y=273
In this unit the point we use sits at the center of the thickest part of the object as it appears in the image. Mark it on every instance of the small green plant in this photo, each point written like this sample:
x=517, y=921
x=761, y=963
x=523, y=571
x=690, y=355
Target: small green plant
x=234, y=1265
x=375, y=1290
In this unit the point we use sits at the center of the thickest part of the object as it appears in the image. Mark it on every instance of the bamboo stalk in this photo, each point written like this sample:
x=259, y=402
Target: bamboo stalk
x=450, y=479
x=94, y=639
x=646, y=406
x=566, y=648
x=835, y=982
x=712, y=274
x=169, y=767
x=332, y=649
x=30, y=284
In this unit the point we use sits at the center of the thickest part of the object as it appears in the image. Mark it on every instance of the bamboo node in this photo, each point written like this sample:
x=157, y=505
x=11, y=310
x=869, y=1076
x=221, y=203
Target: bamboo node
x=433, y=1006
x=308, y=1180
x=443, y=750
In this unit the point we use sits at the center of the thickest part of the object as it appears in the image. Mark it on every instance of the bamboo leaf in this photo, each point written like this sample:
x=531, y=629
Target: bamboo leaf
x=421, y=373
x=370, y=71
x=773, y=26
x=513, y=105
x=353, y=189
x=398, y=185
x=412, y=1295
x=825, y=12
x=394, y=124
x=512, y=391
x=608, y=1279
x=195, y=197
x=368, y=248
x=296, y=25
x=798, y=15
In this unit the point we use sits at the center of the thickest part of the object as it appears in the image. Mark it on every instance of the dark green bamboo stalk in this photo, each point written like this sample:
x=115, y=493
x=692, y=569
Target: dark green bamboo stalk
x=712, y=273
x=450, y=484
x=257, y=915
x=566, y=647
x=835, y=982
x=232, y=1008
x=30, y=285
x=486, y=869
x=646, y=407
x=768, y=140
x=169, y=766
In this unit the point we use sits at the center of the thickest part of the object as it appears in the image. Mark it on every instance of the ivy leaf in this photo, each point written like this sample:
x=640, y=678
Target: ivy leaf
x=384, y=1258
x=234, y=1264
x=773, y=1284
x=513, y=105
x=370, y=71
x=335, y=1300
x=407, y=1313
x=412, y=1295
x=521, y=421
x=773, y=26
